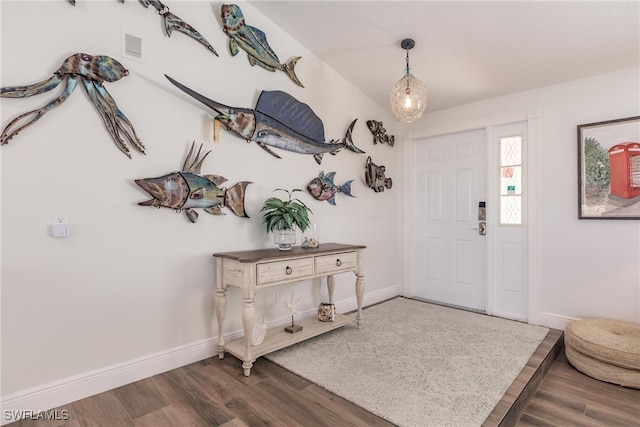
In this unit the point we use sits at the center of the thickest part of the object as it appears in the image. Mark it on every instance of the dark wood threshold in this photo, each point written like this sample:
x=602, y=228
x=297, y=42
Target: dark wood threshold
x=508, y=411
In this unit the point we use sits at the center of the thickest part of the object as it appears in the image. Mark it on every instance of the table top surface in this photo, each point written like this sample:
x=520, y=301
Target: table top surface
x=257, y=255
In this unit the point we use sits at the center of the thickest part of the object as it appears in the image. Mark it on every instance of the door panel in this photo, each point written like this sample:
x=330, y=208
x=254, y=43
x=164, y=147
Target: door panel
x=509, y=266
x=449, y=256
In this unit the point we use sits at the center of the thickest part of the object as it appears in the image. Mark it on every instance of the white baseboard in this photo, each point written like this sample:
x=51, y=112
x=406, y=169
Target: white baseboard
x=67, y=390
x=551, y=320
x=369, y=298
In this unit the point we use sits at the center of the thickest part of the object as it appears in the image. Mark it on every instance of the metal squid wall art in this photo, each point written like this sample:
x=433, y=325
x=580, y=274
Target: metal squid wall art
x=380, y=133
x=92, y=71
x=254, y=42
x=280, y=121
x=323, y=188
x=172, y=22
x=188, y=189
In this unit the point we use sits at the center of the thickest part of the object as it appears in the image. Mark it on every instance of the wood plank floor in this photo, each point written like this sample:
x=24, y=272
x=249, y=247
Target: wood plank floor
x=512, y=404
x=214, y=392
x=567, y=397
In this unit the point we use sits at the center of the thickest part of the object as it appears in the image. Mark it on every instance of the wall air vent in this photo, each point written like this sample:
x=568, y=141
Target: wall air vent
x=131, y=46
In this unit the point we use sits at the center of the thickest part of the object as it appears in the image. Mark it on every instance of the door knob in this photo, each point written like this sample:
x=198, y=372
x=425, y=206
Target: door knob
x=482, y=228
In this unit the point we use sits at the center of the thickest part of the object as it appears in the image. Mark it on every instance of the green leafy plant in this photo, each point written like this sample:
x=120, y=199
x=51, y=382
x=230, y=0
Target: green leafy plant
x=596, y=163
x=596, y=172
x=282, y=215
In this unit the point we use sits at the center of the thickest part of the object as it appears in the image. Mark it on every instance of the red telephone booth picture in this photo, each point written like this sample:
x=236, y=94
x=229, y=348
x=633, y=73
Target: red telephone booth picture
x=624, y=170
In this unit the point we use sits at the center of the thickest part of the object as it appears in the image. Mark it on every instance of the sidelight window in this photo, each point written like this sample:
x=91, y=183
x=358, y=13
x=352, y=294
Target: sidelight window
x=511, y=180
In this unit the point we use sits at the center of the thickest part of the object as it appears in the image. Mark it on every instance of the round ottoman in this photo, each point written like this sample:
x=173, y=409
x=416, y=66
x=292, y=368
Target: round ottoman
x=608, y=350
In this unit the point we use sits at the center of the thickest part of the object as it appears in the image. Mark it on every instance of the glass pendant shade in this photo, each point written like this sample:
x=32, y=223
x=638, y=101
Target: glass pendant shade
x=408, y=99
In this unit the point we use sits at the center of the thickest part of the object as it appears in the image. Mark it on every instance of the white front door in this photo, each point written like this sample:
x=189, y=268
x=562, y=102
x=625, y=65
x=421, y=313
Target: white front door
x=449, y=255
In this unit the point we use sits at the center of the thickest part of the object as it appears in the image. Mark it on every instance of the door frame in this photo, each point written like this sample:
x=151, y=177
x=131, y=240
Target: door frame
x=531, y=117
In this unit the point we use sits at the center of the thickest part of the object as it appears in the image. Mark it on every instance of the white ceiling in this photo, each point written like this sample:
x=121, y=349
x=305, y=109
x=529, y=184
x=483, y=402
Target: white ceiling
x=465, y=50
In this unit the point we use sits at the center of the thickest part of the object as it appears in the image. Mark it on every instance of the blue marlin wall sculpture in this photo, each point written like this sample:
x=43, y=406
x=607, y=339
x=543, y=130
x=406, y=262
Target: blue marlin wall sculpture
x=254, y=42
x=280, y=121
x=188, y=190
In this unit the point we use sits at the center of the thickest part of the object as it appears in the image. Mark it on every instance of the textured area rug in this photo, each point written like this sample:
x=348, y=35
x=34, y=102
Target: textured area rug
x=418, y=364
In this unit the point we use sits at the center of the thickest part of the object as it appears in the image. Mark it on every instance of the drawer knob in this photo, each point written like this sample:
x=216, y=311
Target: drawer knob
x=338, y=262
x=288, y=270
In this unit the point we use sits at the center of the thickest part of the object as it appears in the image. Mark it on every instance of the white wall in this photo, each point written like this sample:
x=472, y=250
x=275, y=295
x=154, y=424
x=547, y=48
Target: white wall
x=580, y=268
x=135, y=283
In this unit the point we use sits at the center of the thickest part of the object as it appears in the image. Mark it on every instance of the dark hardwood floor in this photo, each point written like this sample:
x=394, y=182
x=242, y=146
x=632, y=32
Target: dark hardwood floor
x=214, y=392
x=567, y=397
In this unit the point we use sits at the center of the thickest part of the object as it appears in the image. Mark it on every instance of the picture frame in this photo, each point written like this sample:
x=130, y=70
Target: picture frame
x=609, y=169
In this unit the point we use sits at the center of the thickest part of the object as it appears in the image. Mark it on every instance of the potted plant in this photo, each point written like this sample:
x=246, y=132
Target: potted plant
x=281, y=217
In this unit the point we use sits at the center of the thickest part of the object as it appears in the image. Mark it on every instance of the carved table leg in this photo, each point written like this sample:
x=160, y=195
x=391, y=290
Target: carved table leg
x=359, y=296
x=247, y=325
x=359, y=288
x=331, y=286
x=220, y=307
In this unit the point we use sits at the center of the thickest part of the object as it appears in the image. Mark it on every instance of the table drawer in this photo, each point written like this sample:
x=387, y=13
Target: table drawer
x=271, y=272
x=336, y=262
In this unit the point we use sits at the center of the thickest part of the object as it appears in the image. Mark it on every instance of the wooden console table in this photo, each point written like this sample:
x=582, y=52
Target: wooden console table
x=266, y=268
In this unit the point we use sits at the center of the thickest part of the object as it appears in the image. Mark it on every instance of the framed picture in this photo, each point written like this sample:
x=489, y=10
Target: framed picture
x=609, y=169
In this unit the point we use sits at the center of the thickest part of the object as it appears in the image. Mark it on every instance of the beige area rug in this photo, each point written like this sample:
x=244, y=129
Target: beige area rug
x=418, y=364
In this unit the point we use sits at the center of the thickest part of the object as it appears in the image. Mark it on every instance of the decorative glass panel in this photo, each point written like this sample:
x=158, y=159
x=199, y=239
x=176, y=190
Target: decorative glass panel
x=511, y=210
x=511, y=150
x=511, y=180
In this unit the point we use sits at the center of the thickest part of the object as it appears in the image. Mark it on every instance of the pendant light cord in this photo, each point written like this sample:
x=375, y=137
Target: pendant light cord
x=407, y=90
x=408, y=69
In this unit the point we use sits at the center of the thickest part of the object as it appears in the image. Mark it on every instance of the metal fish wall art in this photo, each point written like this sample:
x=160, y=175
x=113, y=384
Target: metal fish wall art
x=380, y=133
x=254, y=42
x=375, y=178
x=279, y=120
x=172, y=22
x=323, y=188
x=92, y=71
x=188, y=190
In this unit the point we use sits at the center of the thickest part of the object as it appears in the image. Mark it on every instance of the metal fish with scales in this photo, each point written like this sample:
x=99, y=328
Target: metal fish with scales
x=323, y=188
x=254, y=42
x=280, y=121
x=188, y=190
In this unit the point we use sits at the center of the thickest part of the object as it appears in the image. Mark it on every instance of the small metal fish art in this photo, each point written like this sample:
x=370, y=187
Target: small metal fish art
x=188, y=190
x=92, y=71
x=254, y=42
x=374, y=176
x=323, y=188
x=380, y=133
x=280, y=121
x=172, y=22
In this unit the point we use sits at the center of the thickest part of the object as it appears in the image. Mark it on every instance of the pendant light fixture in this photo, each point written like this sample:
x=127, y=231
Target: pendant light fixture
x=409, y=95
